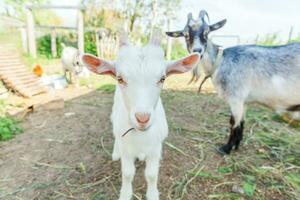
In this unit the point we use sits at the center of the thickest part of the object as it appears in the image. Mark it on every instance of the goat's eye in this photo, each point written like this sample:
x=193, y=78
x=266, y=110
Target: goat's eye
x=121, y=81
x=205, y=32
x=162, y=80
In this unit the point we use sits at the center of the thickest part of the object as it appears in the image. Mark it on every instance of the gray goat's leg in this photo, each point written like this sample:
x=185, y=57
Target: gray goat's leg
x=237, y=127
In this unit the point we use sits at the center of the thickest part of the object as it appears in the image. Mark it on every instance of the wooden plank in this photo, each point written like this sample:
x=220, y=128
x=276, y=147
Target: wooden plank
x=23, y=77
x=15, y=74
x=33, y=92
x=8, y=69
x=26, y=84
x=9, y=57
x=26, y=80
x=14, y=63
x=11, y=68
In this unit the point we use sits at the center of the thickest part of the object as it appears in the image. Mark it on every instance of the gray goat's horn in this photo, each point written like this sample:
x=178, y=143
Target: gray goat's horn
x=202, y=14
x=190, y=16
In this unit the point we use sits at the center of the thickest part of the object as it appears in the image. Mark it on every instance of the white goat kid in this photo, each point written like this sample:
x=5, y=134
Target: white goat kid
x=70, y=58
x=137, y=107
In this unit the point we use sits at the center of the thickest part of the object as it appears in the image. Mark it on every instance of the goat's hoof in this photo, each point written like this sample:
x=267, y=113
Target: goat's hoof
x=223, y=150
x=152, y=195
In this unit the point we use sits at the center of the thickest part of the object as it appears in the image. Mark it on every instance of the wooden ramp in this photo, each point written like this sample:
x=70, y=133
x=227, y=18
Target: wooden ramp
x=15, y=75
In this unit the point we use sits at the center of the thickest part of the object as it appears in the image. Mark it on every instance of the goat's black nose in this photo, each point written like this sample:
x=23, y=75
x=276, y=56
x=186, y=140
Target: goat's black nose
x=199, y=50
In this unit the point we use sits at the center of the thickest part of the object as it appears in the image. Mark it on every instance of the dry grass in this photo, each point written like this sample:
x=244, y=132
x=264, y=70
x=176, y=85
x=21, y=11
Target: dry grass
x=69, y=158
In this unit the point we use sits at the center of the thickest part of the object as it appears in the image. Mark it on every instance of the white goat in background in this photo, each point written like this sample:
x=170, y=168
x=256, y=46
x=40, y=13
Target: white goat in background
x=138, y=116
x=71, y=61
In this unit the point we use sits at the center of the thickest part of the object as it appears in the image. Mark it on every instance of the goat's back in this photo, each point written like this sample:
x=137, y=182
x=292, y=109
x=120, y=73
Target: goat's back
x=270, y=75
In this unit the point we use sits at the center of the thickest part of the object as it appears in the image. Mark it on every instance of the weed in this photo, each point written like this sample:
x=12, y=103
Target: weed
x=108, y=88
x=8, y=128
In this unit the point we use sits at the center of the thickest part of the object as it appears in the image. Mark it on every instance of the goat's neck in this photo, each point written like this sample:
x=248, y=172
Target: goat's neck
x=210, y=58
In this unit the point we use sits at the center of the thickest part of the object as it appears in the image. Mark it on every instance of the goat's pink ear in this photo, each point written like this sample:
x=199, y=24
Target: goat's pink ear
x=183, y=65
x=98, y=66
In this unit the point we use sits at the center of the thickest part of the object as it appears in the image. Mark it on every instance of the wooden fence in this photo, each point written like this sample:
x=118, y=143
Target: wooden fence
x=107, y=45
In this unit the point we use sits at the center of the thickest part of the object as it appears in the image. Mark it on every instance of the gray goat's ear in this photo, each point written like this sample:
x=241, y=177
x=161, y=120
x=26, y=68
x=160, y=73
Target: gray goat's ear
x=175, y=33
x=217, y=25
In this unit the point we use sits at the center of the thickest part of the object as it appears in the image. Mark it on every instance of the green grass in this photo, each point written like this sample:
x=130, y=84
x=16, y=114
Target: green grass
x=8, y=128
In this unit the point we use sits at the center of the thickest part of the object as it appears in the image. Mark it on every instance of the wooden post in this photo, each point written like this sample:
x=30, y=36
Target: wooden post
x=80, y=31
x=53, y=43
x=169, y=42
x=256, y=39
x=154, y=16
x=290, y=34
x=24, y=39
x=30, y=33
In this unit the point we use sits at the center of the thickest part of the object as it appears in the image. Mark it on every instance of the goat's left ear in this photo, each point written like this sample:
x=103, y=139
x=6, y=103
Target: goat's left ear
x=98, y=66
x=217, y=25
x=183, y=65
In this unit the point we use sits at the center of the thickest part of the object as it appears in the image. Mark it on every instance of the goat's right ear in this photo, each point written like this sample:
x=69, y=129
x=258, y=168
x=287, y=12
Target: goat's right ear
x=183, y=65
x=175, y=33
x=98, y=66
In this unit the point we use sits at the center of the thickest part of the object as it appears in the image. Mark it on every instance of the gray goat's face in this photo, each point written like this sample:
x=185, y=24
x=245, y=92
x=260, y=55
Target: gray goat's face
x=196, y=32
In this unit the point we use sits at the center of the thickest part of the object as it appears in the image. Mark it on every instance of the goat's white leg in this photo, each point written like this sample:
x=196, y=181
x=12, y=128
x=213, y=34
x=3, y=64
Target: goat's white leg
x=151, y=174
x=128, y=171
x=237, y=126
x=116, y=151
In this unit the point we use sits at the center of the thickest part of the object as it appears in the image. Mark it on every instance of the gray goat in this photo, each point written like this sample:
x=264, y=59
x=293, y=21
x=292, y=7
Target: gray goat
x=245, y=73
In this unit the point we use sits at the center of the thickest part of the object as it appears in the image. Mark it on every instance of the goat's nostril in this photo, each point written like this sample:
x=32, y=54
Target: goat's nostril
x=142, y=117
x=199, y=50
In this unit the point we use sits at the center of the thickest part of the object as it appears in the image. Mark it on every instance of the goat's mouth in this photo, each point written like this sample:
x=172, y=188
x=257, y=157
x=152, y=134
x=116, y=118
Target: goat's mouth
x=142, y=127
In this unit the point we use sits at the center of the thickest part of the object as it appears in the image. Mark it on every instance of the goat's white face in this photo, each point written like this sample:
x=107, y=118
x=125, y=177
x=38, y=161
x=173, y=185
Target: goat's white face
x=140, y=73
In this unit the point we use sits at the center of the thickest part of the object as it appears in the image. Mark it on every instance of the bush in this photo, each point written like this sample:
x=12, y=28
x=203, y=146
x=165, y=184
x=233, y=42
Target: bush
x=270, y=40
x=44, y=43
x=178, y=51
x=8, y=128
x=90, y=43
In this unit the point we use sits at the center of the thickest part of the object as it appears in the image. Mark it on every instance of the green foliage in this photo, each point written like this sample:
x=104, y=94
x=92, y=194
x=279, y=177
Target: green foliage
x=249, y=185
x=178, y=51
x=3, y=105
x=270, y=40
x=294, y=180
x=297, y=39
x=224, y=170
x=8, y=128
x=108, y=88
x=44, y=43
x=90, y=43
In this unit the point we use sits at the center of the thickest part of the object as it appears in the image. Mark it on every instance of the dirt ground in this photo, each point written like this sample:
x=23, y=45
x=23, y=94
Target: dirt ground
x=66, y=153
